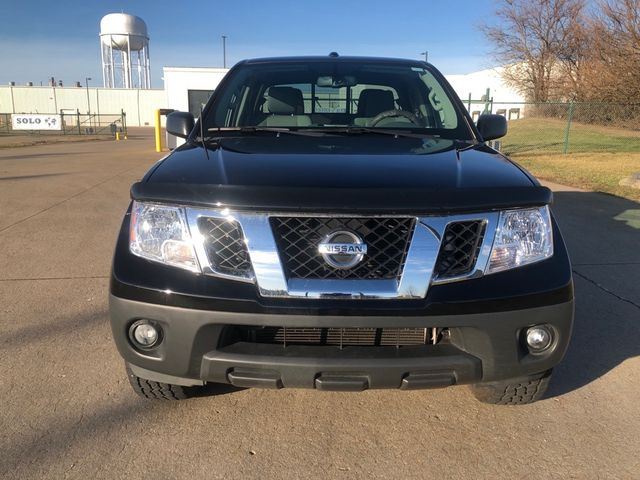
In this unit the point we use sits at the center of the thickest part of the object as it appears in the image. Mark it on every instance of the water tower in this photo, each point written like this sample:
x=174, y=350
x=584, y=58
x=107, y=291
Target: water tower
x=125, y=51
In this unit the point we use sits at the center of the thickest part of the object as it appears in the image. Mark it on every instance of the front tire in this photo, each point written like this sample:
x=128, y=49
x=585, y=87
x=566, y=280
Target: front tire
x=517, y=391
x=160, y=391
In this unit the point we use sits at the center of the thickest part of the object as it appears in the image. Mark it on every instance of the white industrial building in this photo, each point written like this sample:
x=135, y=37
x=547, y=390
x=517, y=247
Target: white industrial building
x=138, y=104
x=473, y=86
x=185, y=89
x=476, y=84
x=189, y=88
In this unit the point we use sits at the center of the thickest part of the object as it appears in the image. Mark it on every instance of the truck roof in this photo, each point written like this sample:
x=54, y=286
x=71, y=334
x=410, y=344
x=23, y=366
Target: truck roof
x=335, y=58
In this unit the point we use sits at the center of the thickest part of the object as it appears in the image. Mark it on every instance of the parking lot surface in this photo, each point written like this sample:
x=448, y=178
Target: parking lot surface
x=67, y=410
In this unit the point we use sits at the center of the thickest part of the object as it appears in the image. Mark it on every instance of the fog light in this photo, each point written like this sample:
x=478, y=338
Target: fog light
x=539, y=338
x=144, y=334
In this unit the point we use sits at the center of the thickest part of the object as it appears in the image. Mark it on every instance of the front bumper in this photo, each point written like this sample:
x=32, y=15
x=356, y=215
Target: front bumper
x=481, y=347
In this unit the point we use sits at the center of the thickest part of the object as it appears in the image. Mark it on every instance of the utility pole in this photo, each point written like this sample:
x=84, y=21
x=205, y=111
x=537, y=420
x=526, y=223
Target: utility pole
x=86, y=82
x=426, y=55
x=224, y=51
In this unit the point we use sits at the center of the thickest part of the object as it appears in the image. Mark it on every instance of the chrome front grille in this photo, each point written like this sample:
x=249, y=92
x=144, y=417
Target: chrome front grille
x=280, y=254
x=460, y=248
x=225, y=246
x=387, y=240
x=334, y=336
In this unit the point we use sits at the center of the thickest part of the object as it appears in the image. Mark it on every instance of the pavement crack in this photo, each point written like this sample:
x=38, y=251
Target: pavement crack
x=605, y=289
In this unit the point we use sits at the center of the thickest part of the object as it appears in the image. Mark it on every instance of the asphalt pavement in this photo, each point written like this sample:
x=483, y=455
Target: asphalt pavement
x=67, y=411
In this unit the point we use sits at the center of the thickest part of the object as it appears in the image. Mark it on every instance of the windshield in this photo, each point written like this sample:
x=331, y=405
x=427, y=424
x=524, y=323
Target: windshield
x=336, y=95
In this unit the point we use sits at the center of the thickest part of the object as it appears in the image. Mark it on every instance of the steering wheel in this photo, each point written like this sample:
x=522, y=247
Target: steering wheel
x=394, y=113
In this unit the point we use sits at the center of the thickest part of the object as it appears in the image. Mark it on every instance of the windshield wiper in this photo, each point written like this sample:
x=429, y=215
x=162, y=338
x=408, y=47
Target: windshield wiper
x=248, y=129
x=462, y=145
x=317, y=131
x=256, y=129
x=214, y=140
x=371, y=130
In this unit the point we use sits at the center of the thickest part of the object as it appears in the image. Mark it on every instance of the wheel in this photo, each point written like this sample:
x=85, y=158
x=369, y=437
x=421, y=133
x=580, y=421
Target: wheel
x=160, y=391
x=517, y=391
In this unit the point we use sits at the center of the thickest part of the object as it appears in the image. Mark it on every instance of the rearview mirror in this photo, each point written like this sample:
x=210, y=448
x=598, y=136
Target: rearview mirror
x=180, y=124
x=336, y=82
x=492, y=126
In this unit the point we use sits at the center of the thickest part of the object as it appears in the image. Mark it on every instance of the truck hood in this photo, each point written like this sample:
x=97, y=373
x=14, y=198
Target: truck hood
x=302, y=173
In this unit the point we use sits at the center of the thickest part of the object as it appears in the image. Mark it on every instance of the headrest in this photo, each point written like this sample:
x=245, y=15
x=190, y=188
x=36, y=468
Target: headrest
x=285, y=101
x=373, y=101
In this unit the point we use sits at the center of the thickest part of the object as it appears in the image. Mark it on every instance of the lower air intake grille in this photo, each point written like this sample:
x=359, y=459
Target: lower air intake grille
x=225, y=247
x=460, y=247
x=334, y=336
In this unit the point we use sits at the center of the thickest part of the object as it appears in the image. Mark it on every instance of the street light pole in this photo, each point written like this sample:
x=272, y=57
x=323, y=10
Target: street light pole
x=224, y=51
x=86, y=82
x=426, y=55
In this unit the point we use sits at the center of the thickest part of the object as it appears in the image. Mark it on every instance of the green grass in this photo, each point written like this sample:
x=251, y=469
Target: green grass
x=597, y=159
x=600, y=172
x=545, y=135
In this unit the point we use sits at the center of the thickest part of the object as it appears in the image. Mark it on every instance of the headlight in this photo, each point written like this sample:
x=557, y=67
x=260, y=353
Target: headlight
x=522, y=237
x=160, y=233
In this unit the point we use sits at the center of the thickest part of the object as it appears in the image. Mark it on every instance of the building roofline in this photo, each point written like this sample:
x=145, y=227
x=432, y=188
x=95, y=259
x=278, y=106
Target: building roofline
x=190, y=69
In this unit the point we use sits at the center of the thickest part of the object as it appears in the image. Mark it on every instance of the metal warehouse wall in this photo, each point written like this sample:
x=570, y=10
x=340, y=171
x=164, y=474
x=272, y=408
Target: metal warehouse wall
x=139, y=105
x=476, y=84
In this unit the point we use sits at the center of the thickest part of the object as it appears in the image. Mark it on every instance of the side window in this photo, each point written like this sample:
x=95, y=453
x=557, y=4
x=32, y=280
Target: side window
x=439, y=102
x=232, y=99
x=235, y=108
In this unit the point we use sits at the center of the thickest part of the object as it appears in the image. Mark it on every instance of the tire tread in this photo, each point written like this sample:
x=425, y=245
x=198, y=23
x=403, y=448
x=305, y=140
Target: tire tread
x=159, y=391
x=513, y=392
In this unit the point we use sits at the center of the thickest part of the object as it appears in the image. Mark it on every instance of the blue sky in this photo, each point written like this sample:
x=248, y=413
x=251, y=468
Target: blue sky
x=40, y=39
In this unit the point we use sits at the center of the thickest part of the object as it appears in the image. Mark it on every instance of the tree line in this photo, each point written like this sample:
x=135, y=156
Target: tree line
x=569, y=50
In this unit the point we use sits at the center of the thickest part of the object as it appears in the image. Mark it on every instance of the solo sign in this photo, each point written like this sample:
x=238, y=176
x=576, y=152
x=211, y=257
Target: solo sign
x=33, y=121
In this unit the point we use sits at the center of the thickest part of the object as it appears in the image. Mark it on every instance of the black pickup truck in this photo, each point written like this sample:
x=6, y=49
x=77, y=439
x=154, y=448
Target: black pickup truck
x=339, y=223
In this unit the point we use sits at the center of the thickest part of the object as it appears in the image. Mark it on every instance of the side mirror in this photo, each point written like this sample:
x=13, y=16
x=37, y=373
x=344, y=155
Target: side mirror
x=492, y=126
x=180, y=124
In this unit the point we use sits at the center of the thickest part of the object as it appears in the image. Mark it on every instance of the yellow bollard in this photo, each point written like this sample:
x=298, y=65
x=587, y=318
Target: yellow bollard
x=117, y=135
x=158, y=132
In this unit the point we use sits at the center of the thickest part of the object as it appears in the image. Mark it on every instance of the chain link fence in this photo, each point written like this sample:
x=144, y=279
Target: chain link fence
x=64, y=123
x=565, y=127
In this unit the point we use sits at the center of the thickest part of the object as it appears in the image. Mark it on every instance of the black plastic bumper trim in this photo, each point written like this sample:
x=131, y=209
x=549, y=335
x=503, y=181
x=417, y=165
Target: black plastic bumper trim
x=193, y=347
x=421, y=380
x=342, y=383
x=258, y=379
x=348, y=369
